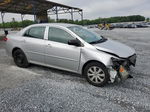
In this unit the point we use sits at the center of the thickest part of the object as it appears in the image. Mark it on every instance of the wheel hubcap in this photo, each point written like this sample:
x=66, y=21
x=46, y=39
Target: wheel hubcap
x=96, y=74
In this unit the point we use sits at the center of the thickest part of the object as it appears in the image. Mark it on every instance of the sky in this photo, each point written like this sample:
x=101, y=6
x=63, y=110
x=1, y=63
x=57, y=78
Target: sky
x=98, y=8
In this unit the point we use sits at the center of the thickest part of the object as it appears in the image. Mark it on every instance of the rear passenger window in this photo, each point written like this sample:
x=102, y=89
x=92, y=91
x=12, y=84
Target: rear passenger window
x=35, y=32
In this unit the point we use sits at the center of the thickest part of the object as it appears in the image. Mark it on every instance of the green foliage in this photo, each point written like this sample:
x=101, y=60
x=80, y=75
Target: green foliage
x=1, y=38
x=16, y=24
x=133, y=18
x=27, y=23
x=147, y=19
x=51, y=20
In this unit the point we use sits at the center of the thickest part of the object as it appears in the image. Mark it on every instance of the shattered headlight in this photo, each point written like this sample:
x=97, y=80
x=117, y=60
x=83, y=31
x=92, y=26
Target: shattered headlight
x=126, y=62
x=116, y=62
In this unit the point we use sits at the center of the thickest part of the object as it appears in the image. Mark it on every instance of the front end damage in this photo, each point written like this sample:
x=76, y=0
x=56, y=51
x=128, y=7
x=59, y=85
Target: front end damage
x=119, y=71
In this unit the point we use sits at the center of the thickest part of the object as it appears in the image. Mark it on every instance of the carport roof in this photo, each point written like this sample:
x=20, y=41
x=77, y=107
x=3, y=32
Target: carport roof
x=31, y=6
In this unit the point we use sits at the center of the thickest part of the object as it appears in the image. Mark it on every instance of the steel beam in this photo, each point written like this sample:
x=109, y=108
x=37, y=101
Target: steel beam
x=2, y=16
x=56, y=13
x=82, y=18
x=81, y=13
x=60, y=10
x=72, y=14
x=34, y=12
x=62, y=13
x=22, y=17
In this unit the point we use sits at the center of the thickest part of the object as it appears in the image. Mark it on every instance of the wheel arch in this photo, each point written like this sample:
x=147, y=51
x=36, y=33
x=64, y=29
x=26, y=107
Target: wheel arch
x=91, y=61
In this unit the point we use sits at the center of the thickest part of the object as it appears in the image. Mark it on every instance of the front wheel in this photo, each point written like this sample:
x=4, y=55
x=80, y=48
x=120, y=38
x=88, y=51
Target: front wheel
x=20, y=59
x=96, y=74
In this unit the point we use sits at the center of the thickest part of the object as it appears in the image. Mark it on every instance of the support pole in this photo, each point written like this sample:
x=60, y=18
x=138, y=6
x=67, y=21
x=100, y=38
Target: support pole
x=22, y=17
x=81, y=13
x=72, y=14
x=82, y=18
x=56, y=13
x=35, y=18
x=2, y=16
x=34, y=11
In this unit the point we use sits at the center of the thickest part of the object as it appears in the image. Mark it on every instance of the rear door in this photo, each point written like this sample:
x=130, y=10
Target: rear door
x=34, y=44
x=57, y=51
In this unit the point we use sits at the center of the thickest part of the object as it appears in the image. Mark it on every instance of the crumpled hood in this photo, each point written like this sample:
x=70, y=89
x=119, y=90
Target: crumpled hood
x=116, y=48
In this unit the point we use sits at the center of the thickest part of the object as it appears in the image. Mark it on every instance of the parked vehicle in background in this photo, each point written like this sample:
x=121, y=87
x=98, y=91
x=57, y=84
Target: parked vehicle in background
x=148, y=24
x=118, y=25
x=141, y=25
x=105, y=26
x=91, y=26
x=72, y=48
x=131, y=25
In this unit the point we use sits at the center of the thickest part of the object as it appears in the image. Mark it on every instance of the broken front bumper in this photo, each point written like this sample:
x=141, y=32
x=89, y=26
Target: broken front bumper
x=118, y=76
x=121, y=67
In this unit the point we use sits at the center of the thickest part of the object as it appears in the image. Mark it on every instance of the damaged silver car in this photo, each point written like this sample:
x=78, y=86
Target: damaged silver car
x=72, y=48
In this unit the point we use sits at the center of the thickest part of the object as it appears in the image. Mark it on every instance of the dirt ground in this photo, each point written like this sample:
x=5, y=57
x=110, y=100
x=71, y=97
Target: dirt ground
x=42, y=89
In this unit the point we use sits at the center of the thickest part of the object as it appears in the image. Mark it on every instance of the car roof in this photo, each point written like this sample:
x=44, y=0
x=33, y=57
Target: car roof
x=46, y=24
x=54, y=24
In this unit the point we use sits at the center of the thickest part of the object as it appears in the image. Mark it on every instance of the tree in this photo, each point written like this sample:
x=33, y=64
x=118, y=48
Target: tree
x=147, y=19
x=132, y=18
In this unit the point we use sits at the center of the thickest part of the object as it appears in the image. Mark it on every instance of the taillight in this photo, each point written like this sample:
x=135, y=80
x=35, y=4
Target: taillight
x=5, y=39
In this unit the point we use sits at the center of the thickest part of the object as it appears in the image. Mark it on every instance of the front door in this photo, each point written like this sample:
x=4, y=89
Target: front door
x=58, y=53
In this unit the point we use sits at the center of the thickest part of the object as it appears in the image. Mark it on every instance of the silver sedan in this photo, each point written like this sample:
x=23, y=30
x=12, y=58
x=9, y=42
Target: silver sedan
x=72, y=48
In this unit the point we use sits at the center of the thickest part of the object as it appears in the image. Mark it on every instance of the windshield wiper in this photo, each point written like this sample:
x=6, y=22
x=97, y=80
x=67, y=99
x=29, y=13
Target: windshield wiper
x=99, y=41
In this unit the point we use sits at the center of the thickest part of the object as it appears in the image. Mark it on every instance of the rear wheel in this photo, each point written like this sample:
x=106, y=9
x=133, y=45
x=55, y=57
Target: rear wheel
x=20, y=58
x=96, y=74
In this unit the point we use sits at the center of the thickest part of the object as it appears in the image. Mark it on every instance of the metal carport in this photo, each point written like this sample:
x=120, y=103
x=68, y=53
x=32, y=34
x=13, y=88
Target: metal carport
x=39, y=8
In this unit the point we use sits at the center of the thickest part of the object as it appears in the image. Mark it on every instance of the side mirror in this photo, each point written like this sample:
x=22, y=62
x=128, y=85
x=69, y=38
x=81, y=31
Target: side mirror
x=74, y=42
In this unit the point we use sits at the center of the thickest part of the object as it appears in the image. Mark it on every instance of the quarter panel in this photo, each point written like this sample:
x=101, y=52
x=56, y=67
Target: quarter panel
x=14, y=41
x=88, y=54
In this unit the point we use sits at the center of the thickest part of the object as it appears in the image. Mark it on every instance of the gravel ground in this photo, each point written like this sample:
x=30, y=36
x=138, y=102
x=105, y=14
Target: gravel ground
x=41, y=89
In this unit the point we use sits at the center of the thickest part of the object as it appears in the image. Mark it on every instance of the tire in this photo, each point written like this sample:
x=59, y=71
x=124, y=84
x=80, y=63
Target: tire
x=20, y=58
x=96, y=74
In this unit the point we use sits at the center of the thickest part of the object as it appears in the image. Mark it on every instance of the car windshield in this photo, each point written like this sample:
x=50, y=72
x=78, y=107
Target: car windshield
x=87, y=35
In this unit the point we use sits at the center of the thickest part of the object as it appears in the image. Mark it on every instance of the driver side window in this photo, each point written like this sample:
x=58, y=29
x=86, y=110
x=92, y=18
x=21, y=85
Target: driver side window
x=59, y=35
